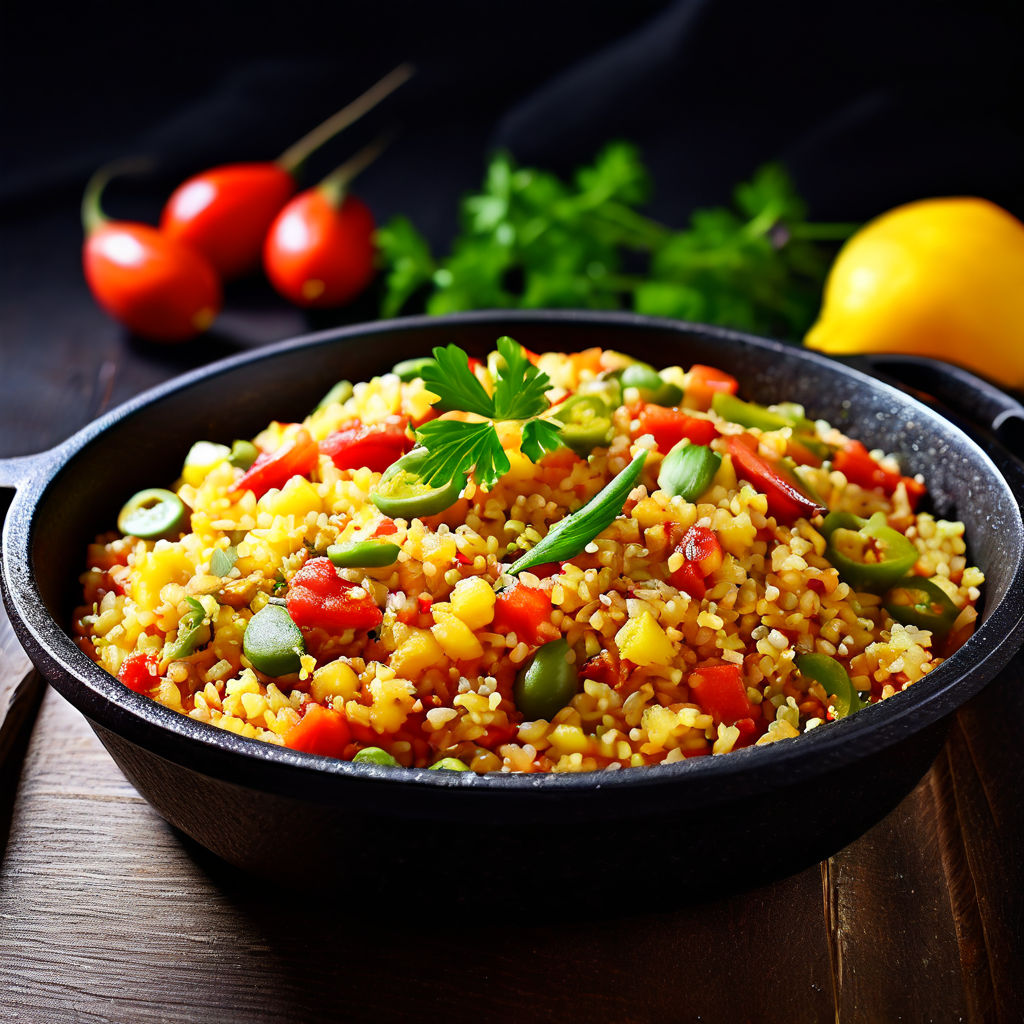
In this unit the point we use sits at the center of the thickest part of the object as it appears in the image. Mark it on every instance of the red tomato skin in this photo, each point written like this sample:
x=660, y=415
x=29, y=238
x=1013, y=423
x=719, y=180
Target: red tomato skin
x=319, y=598
x=297, y=457
x=320, y=731
x=154, y=285
x=702, y=554
x=670, y=426
x=375, y=447
x=140, y=672
x=317, y=255
x=704, y=381
x=720, y=691
x=225, y=213
x=521, y=610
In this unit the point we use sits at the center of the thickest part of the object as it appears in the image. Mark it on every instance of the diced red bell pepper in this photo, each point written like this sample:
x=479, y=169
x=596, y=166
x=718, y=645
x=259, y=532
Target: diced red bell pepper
x=297, y=457
x=320, y=731
x=854, y=461
x=375, y=447
x=385, y=528
x=720, y=691
x=140, y=672
x=670, y=426
x=703, y=381
x=785, y=501
x=521, y=610
x=702, y=556
x=319, y=598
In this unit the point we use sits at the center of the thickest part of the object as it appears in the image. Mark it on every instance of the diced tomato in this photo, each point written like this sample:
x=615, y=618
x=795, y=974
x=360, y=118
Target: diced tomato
x=588, y=359
x=521, y=610
x=703, y=381
x=670, y=426
x=140, y=672
x=319, y=731
x=854, y=461
x=319, y=598
x=385, y=528
x=785, y=501
x=425, y=601
x=720, y=691
x=702, y=556
x=297, y=457
x=604, y=667
x=375, y=447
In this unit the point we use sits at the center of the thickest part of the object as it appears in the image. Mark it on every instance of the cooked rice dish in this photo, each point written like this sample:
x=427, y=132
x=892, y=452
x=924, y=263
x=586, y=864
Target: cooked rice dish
x=664, y=570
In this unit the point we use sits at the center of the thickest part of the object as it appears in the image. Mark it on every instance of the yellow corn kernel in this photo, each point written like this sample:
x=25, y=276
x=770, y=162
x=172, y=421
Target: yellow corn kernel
x=473, y=601
x=417, y=652
x=455, y=637
x=297, y=498
x=642, y=641
x=568, y=739
x=155, y=570
x=335, y=679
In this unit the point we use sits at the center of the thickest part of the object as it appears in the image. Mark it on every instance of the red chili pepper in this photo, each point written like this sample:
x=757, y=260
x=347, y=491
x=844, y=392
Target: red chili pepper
x=702, y=556
x=297, y=457
x=670, y=426
x=785, y=502
x=154, y=285
x=320, y=731
x=720, y=691
x=703, y=381
x=521, y=610
x=375, y=447
x=225, y=212
x=319, y=598
x=140, y=672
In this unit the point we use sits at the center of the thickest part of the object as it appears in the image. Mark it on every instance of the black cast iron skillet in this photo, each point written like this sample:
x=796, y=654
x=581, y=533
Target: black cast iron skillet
x=725, y=821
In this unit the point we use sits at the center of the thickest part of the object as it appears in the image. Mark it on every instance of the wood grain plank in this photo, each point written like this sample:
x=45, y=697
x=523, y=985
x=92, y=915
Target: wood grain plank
x=106, y=915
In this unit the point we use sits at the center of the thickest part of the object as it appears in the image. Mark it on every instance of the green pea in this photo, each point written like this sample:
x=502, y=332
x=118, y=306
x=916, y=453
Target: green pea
x=152, y=513
x=364, y=554
x=374, y=755
x=193, y=631
x=687, y=470
x=410, y=369
x=243, y=454
x=341, y=392
x=451, y=764
x=546, y=683
x=273, y=643
x=650, y=384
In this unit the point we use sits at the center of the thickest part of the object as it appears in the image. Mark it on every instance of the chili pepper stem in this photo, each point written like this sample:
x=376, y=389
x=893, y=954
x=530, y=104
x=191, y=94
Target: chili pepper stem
x=93, y=216
x=295, y=155
x=335, y=185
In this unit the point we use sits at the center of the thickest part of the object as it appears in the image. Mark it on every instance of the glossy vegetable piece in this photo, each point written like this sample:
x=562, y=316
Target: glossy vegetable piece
x=375, y=447
x=546, y=683
x=869, y=554
x=785, y=500
x=153, y=284
x=702, y=557
x=193, y=632
x=273, y=643
x=222, y=561
x=341, y=392
x=321, y=730
x=835, y=680
x=704, y=382
x=297, y=457
x=568, y=537
x=319, y=598
x=670, y=426
x=916, y=601
x=587, y=423
x=140, y=672
x=365, y=554
x=854, y=461
x=650, y=384
x=401, y=494
x=374, y=755
x=243, y=454
x=521, y=610
x=152, y=513
x=750, y=414
x=226, y=212
x=720, y=691
x=687, y=471
x=409, y=369
x=450, y=764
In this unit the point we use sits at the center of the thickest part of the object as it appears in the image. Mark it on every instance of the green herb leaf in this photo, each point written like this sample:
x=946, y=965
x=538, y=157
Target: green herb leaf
x=410, y=264
x=223, y=561
x=540, y=436
x=520, y=387
x=455, y=384
x=571, y=535
x=454, y=448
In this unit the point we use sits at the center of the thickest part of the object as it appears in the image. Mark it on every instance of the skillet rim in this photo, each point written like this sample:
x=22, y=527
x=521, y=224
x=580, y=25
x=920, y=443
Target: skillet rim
x=175, y=737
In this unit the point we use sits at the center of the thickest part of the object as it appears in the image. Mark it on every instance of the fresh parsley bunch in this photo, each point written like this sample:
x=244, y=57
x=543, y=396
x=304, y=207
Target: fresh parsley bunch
x=456, y=447
x=530, y=240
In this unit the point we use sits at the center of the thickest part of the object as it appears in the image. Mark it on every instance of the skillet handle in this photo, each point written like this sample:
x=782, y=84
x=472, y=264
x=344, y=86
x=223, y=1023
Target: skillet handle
x=17, y=469
x=963, y=393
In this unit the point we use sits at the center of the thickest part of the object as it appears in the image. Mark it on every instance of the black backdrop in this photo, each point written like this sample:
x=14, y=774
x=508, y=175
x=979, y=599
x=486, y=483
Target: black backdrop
x=869, y=105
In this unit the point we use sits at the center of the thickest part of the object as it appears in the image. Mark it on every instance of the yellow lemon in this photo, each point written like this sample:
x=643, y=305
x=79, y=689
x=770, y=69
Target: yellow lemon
x=939, y=277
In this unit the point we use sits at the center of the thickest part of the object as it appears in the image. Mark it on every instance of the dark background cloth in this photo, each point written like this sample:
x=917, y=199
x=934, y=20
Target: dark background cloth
x=869, y=105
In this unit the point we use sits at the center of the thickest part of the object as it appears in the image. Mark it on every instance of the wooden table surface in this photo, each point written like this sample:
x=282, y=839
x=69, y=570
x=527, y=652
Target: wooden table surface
x=107, y=914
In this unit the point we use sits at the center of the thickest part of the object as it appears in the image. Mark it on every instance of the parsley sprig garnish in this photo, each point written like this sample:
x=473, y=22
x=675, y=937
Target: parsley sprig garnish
x=529, y=239
x=456, y=447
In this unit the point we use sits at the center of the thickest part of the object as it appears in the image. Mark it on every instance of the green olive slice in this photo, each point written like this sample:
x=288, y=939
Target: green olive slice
x=151, y=514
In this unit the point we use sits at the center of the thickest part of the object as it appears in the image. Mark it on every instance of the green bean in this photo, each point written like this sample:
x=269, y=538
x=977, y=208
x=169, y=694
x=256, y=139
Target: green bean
x=363, y=554
x=410, y=369
x=341, y=392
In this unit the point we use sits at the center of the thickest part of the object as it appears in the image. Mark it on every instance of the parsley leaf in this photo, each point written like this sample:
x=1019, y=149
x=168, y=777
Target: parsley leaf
x=455, y=448
x=457, y=387
x=520, y=387
x=540, y=436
